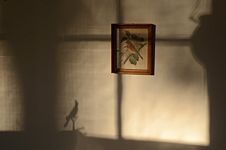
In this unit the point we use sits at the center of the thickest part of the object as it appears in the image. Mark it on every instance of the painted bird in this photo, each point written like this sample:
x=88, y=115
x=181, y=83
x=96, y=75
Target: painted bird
x=132, y=48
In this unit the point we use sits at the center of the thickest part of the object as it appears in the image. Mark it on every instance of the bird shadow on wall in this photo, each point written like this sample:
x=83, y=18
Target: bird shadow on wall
x=209, y=49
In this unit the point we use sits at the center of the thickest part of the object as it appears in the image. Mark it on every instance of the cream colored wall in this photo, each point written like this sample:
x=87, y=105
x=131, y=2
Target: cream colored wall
x=171, y=106
x=11, y=111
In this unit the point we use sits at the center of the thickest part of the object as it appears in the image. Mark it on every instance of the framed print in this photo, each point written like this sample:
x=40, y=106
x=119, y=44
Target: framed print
x=132, y=48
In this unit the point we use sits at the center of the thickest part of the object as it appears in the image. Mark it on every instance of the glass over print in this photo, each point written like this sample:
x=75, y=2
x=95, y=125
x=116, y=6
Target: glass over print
x=133, y=48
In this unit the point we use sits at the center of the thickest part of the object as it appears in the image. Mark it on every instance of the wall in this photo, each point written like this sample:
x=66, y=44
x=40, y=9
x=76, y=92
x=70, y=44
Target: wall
x=58, y=52
x=150, y=104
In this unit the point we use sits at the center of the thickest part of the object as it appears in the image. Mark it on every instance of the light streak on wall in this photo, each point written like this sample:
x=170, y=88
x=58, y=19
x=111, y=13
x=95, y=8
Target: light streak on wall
x=11, y=106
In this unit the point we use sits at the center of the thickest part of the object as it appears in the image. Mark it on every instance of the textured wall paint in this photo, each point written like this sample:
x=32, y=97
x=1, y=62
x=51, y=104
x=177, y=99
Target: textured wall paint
x=171, y=17
x=171, y=106
x=89, y=17
x=11, y=105
x=86, y=76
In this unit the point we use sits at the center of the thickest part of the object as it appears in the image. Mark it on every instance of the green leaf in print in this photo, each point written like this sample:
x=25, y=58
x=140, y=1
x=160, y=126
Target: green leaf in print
x=133, y=60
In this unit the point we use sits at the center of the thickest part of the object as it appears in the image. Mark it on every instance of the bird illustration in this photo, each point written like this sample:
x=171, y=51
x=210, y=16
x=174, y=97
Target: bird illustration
x=132, y=48
x=131, y=45
x=72, y=116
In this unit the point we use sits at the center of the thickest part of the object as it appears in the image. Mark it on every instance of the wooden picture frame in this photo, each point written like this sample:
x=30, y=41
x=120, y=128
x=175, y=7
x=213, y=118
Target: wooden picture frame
x=133, y=48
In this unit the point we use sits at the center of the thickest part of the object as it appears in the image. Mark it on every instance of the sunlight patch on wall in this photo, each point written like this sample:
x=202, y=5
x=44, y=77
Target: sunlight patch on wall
x=11, y=107
x=85, y=76
x=171, y=106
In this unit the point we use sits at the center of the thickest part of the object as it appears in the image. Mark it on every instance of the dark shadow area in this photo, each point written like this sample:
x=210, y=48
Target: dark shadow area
x=32, y=29
x=73, y=38
x=108, y=144
x=119, y=106
x=119, y=81
x=210, y=50
x=66, y=140
x=76, y=141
